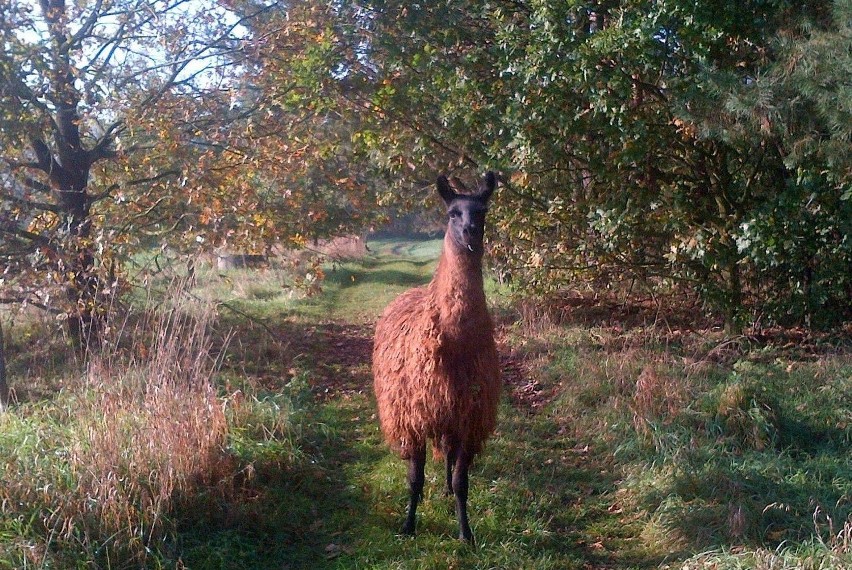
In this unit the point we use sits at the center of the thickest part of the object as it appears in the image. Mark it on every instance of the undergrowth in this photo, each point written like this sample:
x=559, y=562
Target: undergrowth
x=742, y=457
x=205, y=437
x=95, y=471
x=102, y=473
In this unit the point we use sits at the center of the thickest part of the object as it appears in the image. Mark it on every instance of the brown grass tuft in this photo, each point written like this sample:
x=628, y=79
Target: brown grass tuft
x=156, y=427
x=145, y=433
x=657, y=397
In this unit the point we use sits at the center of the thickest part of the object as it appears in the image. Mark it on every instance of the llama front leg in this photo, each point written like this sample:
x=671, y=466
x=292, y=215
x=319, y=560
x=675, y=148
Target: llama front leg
x=460, y=488
x=416, y=479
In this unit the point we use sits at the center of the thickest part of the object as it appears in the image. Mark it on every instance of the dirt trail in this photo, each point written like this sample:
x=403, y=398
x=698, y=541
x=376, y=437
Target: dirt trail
x=341, y=354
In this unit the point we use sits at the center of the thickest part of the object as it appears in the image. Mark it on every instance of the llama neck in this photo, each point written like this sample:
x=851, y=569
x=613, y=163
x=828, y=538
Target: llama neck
x=458, y=288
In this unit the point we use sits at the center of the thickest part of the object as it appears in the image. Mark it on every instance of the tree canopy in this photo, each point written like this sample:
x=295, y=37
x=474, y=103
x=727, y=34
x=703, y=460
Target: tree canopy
x=668, y=146
x=132, y=123
x=675, y=145
x=78, y=80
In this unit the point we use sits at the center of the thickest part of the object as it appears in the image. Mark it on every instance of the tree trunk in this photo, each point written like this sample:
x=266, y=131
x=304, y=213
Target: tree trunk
x=733, y=303
x=69, y=178
x=4, y=388
x=726, y=204
x=84, y=287
x=67, y=165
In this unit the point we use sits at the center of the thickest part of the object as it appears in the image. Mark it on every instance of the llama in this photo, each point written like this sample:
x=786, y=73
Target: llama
x=435, y=366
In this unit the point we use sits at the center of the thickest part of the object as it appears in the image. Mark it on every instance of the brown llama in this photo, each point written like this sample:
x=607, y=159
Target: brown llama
x=435, y=366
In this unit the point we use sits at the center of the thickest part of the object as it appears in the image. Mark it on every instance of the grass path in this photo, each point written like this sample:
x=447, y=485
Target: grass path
x=615, y=448
x=540, y=498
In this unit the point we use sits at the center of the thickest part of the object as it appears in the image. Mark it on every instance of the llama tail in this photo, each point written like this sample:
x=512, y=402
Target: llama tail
x=437, y=451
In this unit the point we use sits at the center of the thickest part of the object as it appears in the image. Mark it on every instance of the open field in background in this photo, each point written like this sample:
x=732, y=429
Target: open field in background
x=232, y=425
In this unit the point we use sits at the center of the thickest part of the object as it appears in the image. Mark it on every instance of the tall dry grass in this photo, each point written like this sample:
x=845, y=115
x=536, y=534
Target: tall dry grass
x=141, y=432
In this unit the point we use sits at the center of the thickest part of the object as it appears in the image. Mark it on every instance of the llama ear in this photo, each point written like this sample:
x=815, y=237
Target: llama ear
x=488, y=184
x=445, y=191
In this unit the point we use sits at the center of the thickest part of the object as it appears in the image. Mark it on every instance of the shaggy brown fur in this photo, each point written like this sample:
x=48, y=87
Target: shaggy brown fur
x=435, y=365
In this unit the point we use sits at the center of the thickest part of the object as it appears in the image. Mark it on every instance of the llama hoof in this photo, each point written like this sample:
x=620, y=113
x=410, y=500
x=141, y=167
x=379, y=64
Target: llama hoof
x=407, y=530
x=468, y=538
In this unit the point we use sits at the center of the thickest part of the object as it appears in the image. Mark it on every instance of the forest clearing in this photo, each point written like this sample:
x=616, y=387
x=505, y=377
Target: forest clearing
x=206, y=205
x=618, y=445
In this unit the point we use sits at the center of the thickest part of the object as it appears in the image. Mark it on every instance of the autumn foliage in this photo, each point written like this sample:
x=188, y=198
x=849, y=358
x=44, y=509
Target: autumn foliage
x=651, y=149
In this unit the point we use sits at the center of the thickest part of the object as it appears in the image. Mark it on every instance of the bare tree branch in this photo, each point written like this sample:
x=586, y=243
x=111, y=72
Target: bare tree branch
x=33, y=204
x=86, y=27
x=46, y=162
x=24, y=300
x=21, y=233
x=34, y=184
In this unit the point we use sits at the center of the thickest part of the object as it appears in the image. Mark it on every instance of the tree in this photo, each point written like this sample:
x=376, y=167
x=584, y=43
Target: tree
x=129, y=123
x=75, y=80
x=298, y=134
x=636, y=138
x=802, y=103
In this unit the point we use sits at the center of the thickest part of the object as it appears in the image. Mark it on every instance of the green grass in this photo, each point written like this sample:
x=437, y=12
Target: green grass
x=358, y=290
x=629, y=449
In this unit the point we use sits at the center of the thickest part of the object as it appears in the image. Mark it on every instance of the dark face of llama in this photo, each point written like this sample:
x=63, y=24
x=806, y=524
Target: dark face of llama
x=466, y=213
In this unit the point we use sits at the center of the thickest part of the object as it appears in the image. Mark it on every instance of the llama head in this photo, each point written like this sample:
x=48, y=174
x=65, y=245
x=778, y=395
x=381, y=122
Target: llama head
x=466, y=212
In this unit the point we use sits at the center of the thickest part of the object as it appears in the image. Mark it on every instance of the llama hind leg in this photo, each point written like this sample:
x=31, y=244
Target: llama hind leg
x=416, y=479
x=450, y=450
x=460, y=489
